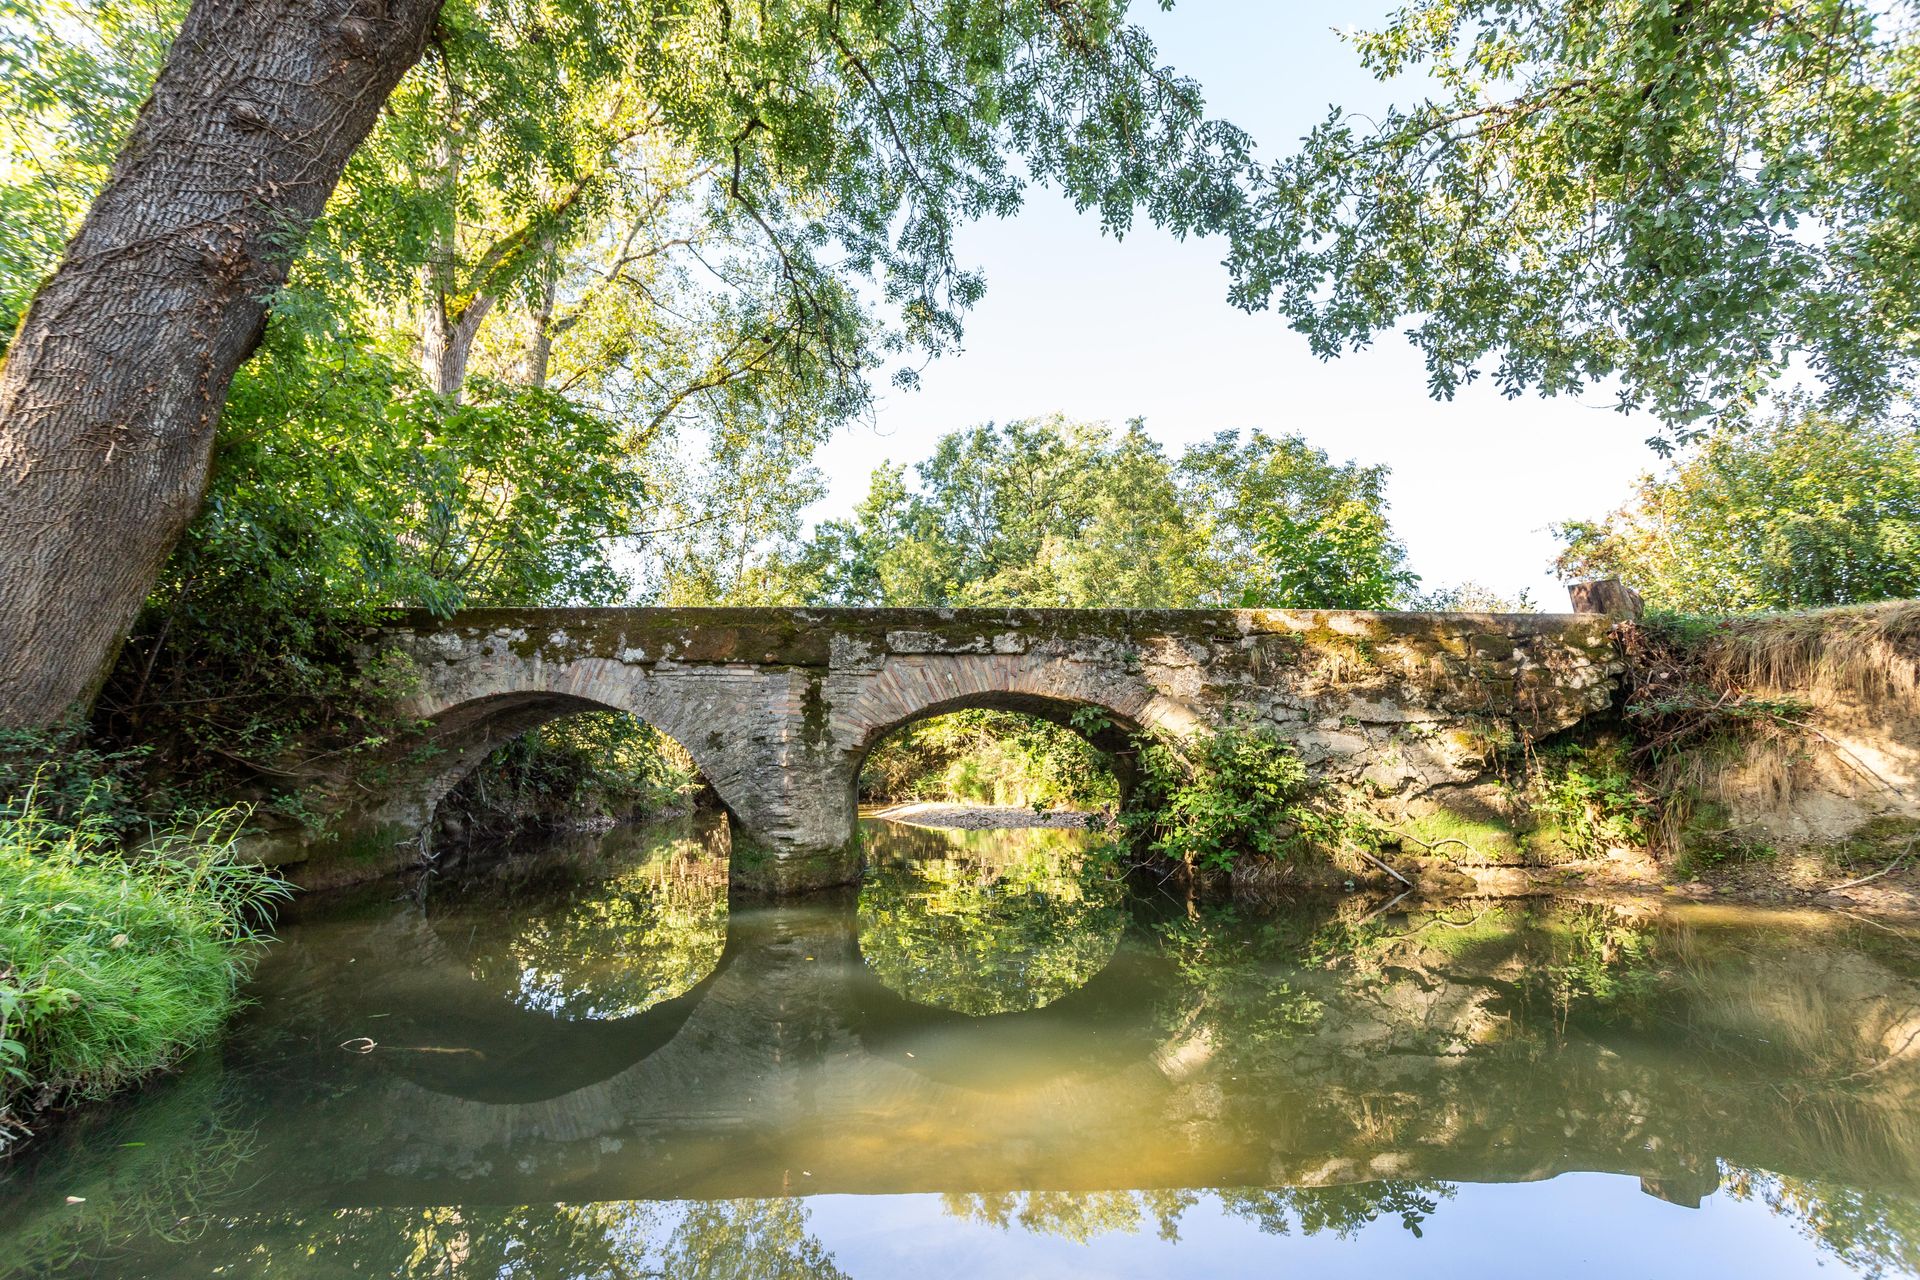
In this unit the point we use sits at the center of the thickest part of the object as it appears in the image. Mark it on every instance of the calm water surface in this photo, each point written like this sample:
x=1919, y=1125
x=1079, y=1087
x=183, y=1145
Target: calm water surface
x=994, y=1060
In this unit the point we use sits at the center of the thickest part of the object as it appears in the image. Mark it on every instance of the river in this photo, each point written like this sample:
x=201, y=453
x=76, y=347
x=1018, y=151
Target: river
x=996, y=1058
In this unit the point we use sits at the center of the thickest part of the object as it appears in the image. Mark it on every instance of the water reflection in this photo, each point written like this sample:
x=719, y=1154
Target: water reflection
x=644, y=919
x=1157, y=1085
x=985, y=922
x=616, y=1240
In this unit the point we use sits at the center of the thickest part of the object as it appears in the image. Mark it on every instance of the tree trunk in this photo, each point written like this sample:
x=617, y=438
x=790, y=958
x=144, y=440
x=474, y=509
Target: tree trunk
x=446, y=342
x=112, y=389
x=540, y=355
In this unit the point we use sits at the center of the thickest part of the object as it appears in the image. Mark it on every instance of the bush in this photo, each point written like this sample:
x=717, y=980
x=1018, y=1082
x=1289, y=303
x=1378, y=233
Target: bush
x=71, y=777
x=1221, y=797
x=114, y=964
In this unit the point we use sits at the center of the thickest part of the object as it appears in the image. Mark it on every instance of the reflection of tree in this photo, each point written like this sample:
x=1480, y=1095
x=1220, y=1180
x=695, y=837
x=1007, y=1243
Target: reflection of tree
x=1601, y=962
x=1871, y=1231
x=1078, y=1216
x=614, y=1240
x=614, y=946
x=1319, y=1044
x=765, y=1239
x=1342, y=1210
x=979, y=931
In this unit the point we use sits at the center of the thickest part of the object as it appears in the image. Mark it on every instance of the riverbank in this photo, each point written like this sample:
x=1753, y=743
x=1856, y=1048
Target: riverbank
x=1793, y=880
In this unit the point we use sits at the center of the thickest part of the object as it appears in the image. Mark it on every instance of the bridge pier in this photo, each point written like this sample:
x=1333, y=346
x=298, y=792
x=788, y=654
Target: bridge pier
x=792, y=823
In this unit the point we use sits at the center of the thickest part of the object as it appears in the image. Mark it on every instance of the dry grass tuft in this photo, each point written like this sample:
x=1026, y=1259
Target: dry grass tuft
x=1824, y=656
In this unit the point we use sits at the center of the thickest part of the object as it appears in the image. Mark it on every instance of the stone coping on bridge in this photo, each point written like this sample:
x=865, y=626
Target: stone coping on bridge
x=803, y=636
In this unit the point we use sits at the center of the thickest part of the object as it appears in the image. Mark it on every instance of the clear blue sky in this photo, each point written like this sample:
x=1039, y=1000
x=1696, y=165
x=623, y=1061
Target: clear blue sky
x=1078, y=323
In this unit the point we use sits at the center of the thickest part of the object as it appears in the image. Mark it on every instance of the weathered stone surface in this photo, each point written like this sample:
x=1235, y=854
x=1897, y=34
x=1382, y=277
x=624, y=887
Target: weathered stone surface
x=779, y=707
x=1606, y=595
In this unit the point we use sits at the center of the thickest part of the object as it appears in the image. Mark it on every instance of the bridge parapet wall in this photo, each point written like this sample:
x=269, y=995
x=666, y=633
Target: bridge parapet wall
x=779, y=707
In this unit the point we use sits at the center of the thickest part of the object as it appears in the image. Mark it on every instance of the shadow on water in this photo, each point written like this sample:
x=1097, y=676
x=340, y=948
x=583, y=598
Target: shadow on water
x=994, y=1035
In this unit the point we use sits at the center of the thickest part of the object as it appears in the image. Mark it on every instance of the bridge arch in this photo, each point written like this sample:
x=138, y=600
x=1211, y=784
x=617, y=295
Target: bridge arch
x=1047, y=687
x=456, y=733
x=918, y=688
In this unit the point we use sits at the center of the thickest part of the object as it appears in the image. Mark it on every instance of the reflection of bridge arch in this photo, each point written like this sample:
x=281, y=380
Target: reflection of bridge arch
x=461, y=1039
x=559, y=1055
x=1105, y=1020
x=447, y=1033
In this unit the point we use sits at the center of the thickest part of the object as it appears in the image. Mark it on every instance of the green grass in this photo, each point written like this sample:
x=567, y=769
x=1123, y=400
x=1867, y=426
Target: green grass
x=114, y=963
x=1462, y=836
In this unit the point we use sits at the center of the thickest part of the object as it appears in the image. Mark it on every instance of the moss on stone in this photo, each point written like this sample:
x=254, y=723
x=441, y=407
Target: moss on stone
x=1464, y=834
x=814, y=711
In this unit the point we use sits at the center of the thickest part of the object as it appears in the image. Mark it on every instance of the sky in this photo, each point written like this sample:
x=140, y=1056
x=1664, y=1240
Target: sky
x=1077, y=323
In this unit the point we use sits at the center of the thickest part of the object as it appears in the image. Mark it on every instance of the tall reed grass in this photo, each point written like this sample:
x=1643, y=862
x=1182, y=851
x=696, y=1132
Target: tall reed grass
x=116, y=959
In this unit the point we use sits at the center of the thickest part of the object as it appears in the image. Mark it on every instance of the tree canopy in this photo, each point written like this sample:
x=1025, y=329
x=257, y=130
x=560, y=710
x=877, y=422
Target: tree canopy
x=1050, y=512
x=1802, y=510
x=712, y=226
x=1677, y=199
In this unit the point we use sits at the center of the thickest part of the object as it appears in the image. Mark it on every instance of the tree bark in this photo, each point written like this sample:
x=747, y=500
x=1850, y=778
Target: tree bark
x=540, y=354
x=446, y=342
x=112, y=389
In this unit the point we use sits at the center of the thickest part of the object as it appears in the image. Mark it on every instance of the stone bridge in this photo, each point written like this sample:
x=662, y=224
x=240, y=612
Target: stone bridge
x=779, y=707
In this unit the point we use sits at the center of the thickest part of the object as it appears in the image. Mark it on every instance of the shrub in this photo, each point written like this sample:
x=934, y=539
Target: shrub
x=600, y=763
x=1220, y=797
x=1590, y=794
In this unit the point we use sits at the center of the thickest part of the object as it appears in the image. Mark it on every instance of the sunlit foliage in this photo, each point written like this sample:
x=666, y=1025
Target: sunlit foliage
x=1238, y=793
x=582, y=306
x=1673, y=199
x=597, y=764
x=1802, y=510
